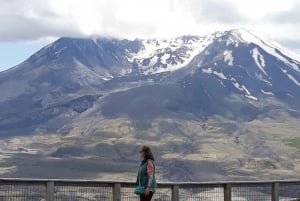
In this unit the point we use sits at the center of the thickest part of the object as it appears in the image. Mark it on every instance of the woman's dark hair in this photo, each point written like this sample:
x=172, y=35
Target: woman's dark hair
x=147, y=153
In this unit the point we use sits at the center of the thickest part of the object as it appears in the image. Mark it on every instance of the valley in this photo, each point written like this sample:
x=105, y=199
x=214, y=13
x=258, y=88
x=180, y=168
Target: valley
x=189, y=151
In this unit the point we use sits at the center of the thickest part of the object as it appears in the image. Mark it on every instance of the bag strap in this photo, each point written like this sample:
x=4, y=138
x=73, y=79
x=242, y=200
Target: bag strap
x=139, y=175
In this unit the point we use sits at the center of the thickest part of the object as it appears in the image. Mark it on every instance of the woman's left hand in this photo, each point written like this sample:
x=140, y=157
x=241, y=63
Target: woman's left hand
x=147, y=191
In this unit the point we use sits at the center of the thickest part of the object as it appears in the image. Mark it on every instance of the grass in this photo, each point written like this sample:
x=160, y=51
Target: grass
x=294, y=142
x=266, y=164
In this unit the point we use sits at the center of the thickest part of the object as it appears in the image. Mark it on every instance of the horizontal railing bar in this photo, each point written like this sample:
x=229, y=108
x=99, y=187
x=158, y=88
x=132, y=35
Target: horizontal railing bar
x=130, y=183
x=133, y=184
x=195, y=185
x=83, y=184
x=29, y=182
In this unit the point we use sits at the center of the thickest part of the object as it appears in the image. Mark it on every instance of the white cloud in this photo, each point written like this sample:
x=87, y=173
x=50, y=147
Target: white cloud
x=36, y=19
x=257, y=10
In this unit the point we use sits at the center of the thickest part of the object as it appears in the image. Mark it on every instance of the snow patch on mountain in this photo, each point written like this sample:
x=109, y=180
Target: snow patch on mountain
x=260, y=77
x=218, y=74
x=251, y=97
x=292, y=78
x=207, y=71
x=161, y=55
x=243, y=89
x=248, y=95
x=231, y=40
x=236, y=84
x=259, y=60
x=164, y=58
x=267, y=92
x=228, y=58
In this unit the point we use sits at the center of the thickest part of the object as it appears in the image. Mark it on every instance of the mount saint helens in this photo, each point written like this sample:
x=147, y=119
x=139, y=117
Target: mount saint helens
x=78, y=101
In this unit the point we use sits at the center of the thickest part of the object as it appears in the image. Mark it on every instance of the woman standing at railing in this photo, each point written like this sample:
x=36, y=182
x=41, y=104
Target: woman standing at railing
x=146, y=182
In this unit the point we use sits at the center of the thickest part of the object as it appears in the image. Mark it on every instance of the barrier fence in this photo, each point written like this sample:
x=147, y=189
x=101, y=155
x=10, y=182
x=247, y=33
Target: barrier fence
x=84, y=190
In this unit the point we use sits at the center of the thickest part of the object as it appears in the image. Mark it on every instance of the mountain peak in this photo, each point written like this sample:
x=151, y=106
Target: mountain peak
x=239, y=35
x=245, y=36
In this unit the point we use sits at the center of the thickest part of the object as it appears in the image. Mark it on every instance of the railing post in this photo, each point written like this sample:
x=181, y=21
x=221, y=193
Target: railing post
x=117, y=192
x=275, y=191
x=175, y=192
x=50, y=191
x=227, y=192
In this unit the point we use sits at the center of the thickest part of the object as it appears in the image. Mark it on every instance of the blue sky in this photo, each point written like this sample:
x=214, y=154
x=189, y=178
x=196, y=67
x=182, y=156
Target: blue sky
x=13, y=53
x=35, y=23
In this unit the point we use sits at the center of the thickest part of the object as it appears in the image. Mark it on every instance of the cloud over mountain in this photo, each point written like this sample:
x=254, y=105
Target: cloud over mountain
x=33, y=19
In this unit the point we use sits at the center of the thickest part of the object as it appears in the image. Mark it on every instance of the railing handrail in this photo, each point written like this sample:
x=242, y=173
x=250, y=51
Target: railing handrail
x=133, y=182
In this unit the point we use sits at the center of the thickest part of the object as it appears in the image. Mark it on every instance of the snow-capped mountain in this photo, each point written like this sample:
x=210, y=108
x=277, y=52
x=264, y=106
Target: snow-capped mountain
x=231, y=73
x=157, y=56
x=253, y=66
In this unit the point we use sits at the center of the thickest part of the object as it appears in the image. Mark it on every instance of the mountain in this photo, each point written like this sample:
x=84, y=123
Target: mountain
x=236, y=65
x=83, y=95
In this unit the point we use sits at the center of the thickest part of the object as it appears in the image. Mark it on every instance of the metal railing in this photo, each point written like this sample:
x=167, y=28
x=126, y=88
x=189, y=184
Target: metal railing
x=86, y=190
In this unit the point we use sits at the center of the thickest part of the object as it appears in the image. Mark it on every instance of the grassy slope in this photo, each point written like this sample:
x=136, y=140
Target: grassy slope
x=185, y=150
x=294, y=142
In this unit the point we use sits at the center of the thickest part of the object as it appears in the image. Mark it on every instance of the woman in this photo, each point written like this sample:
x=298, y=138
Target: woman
x=146, y=174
